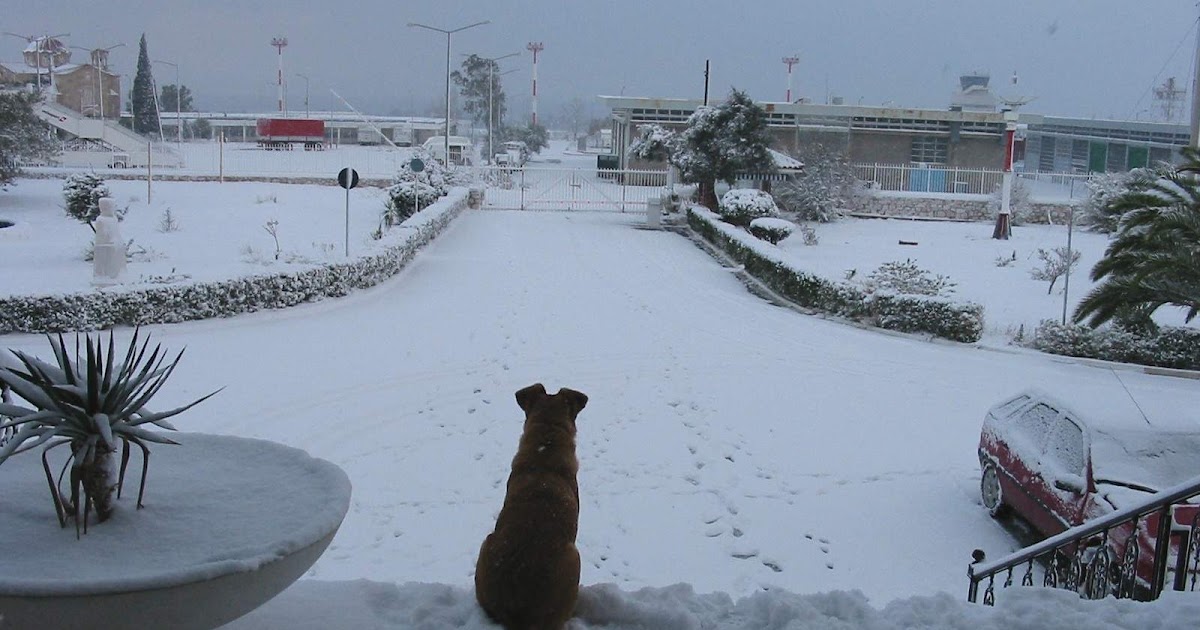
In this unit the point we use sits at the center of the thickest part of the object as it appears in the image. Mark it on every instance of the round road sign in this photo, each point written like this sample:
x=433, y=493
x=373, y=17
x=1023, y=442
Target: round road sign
x=348, y=178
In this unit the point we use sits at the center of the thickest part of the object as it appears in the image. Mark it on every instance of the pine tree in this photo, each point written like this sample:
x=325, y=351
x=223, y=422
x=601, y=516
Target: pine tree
x=145, y=112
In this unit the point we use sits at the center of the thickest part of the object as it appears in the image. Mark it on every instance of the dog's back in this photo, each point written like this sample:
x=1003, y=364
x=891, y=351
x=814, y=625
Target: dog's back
x=527, y=576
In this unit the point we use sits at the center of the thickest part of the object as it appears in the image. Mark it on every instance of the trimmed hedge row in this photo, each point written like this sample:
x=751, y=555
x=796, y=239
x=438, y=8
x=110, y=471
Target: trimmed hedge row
x=177, y=303
x=1172, y=347
x=906, y=313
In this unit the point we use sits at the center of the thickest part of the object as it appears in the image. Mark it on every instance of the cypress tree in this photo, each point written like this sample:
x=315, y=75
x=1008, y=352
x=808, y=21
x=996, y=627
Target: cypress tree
x=145, y=113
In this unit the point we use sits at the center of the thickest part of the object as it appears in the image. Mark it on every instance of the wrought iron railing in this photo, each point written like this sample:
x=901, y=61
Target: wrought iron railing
x=1104, y=556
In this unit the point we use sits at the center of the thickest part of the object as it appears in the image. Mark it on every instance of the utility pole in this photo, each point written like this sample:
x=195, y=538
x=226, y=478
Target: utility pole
x=789, y=62
x=280, y=43
x=535, y=48
x=1196, y=95
x=706, y=83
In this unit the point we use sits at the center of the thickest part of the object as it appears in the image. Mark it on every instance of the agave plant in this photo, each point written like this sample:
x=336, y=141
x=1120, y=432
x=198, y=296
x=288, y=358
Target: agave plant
x=96, y=405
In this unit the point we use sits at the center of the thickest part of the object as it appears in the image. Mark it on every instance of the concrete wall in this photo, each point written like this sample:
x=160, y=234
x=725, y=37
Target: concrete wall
x=952, y=208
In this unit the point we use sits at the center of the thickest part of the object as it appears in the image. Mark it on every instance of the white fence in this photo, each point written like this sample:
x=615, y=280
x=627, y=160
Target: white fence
x=972, y=181
x=570, y=188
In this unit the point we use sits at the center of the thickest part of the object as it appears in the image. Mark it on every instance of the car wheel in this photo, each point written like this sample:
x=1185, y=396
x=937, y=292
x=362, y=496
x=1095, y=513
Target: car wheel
x=989, y=490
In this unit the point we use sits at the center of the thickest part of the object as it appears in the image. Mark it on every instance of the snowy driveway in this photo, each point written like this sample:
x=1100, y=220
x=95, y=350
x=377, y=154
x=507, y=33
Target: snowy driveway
x=727, y=443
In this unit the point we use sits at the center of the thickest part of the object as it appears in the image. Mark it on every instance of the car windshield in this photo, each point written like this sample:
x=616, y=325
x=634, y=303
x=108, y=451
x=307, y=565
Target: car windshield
x=1154, y=459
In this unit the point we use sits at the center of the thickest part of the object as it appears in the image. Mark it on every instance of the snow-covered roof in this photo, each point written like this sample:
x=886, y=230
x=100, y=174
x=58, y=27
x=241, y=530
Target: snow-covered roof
x=785, y=162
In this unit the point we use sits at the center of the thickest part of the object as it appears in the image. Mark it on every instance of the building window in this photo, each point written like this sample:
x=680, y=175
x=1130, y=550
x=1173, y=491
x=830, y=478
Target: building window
x=929, y=150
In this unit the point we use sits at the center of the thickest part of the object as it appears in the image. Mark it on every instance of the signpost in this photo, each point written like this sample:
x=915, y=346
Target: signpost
x=417, y=166
x=348, y=178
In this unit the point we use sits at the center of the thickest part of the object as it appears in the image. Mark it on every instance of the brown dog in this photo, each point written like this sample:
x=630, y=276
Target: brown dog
x=527, y=576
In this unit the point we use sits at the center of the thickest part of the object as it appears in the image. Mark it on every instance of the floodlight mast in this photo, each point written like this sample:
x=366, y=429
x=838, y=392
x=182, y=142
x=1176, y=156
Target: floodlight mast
x=448, y=33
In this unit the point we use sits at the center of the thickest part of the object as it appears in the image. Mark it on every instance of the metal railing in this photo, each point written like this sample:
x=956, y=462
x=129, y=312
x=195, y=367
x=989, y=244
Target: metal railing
x=1103, y=556
x=526, y=188
x=931, y=178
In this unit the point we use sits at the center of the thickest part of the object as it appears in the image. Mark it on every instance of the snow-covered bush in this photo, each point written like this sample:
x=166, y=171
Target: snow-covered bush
x=177, y=303
x=1097, y=213
x=411, y=191
x=1171, y=347
x=434, y=174
x=1020, y=203
x=908, y=313
x=907, y=278
x=82, y=193
x=824, y=188
x=407, y=198
x=809, y=235
x=771, y=230
x=740, y=206
x=655, y=143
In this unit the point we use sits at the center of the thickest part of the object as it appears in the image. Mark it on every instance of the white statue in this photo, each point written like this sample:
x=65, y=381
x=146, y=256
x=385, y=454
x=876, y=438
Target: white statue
x=108, y=261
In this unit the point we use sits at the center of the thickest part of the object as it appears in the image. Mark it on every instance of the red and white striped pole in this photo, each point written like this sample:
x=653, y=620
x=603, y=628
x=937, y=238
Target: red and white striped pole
x=790, y=61
x=535, y=48
x=279, y=43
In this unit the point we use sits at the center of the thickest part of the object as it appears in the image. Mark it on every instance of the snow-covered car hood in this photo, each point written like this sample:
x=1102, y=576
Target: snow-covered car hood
x=1144, y=460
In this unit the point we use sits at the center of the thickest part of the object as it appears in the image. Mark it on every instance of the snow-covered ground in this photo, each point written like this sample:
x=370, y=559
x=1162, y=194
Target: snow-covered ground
x=728, y=444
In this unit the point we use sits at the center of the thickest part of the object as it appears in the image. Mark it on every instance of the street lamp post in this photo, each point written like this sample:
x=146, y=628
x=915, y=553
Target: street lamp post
x=178, y=104
x=492, y=61
x=446, y=138
x=40, y=48
x=306, y=115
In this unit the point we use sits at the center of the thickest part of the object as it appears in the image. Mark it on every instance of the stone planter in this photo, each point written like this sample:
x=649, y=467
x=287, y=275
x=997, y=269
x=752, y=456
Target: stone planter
x=228, y=523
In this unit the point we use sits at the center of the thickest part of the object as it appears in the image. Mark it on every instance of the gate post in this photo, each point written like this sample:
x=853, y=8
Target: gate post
x=522, y=187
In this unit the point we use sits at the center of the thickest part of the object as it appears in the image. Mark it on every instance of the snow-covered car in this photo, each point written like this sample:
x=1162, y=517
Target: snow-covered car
x=1056, y=465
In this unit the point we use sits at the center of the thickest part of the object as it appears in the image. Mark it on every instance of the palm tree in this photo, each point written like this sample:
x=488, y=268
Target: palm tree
x=1154, y=259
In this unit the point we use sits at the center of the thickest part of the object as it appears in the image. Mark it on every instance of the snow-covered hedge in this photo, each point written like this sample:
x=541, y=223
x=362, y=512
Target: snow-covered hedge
x=771, y=229
x=176, y=303
x=908, y=313
x=740, y=206
x=1171, y=347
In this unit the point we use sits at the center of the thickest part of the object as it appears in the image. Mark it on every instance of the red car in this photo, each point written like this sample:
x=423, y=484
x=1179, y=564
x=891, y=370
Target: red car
x=1056, y=466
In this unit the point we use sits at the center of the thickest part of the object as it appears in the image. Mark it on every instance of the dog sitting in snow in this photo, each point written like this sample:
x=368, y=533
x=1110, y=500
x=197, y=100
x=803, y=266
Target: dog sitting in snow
x=527, y=576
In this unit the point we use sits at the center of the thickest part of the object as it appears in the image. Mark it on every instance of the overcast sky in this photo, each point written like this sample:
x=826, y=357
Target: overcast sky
x=1092, y=58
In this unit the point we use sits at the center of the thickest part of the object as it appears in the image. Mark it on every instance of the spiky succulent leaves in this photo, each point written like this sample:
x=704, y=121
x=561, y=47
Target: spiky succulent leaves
x=99, y=397
x=1154, y=259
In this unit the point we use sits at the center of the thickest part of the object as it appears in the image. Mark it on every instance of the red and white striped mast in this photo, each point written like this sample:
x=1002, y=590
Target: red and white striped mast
x=280, y=43
x=535, y=48
x=790, y=61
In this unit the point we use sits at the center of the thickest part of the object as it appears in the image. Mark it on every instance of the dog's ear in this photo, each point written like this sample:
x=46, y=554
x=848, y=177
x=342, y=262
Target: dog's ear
x=577, y=400
x=529, y=396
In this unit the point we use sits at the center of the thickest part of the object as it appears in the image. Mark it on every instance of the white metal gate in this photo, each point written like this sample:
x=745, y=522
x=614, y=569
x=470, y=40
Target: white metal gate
x=570, y=188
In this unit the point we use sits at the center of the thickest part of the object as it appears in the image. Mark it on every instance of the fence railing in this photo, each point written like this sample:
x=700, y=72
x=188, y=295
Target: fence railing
x=538, y=188
x=1127, y=553
x=972, y=181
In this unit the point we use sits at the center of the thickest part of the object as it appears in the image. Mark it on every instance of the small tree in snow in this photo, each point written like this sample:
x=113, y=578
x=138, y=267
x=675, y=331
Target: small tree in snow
x=1054, y=265
x=721, y=142
x=740, y=206
x=826, y=185
x=82, y=193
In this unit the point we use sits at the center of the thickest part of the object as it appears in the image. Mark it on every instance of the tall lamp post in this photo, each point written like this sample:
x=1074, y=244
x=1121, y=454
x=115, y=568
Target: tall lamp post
x=178, y=104
x=41, y=48
x=491, y=96
x=306, y=115
x=446, y=138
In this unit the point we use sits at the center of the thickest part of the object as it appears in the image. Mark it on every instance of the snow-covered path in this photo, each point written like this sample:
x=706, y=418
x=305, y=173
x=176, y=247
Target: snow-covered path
x=727, y=443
